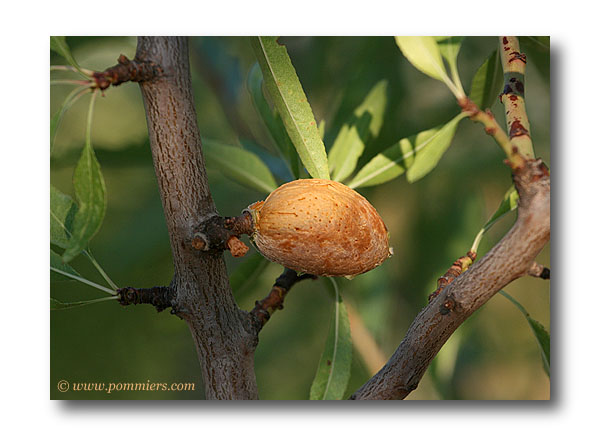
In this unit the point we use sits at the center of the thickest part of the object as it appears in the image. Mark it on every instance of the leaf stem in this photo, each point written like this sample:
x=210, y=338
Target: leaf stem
x=100, y=269
x=70, y=305
x=83, y=280
x=73, y=69
x=88, y=129
x=71, y=82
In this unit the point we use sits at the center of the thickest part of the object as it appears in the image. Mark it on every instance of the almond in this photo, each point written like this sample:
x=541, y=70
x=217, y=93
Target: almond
x=320, y=227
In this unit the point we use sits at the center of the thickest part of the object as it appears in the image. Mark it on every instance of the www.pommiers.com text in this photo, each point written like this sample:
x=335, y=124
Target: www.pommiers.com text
x=110, y=387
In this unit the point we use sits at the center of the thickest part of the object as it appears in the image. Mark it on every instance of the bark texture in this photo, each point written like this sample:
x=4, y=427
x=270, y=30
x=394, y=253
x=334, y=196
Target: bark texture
x=510, y=259
x=202, y=296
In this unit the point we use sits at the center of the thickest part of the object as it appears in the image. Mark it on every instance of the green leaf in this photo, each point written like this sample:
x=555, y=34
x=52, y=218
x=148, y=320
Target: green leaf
x=363, y=126
x=540, y=333
x=542, y=41
x=428, y=157
x=58, y=305
x=333, y=372
x=57, y=263
x=272, y=121
x=396, y=159
x=508, y=204
x=322, y=128
x=239, y=165
x=288, y=96
x=449, y=48
x=60, y=46
x=91, y=197
x=424, y=54
x=62, y=213
x=56, y=118
x=246, y=273
x=487, y=82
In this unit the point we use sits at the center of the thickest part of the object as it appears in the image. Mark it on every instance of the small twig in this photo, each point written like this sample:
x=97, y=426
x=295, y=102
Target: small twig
x=493, y=128
x=265, y=308
x=221, y=233
x=160, y=297
x=126, y=71
x=457, y=267
x=513, y=95
x=539, y=271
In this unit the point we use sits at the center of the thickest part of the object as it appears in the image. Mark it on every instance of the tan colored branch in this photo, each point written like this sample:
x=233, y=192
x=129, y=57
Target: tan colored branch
x=492, y=128
x=513, y=95
x=510, y=259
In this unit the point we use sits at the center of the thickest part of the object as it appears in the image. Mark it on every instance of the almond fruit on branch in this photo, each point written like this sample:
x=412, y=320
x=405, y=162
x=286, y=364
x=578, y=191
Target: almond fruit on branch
x=319, y=227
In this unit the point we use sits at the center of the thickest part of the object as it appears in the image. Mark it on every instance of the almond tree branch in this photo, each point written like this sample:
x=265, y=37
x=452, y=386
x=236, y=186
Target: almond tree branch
x=510, y=259
x=264, y=308
x=201, y=294
x=513, y=95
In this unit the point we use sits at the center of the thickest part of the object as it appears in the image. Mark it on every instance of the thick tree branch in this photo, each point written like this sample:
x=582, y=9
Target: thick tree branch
x=510, y=259
x=202, y=296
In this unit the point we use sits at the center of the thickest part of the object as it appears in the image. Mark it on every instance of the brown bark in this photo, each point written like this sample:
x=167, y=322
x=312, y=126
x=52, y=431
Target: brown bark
x=510, y=259
x=224, y=338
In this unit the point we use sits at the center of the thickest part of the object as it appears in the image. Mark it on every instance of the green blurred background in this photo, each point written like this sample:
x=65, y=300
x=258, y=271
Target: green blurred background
x=493, y=355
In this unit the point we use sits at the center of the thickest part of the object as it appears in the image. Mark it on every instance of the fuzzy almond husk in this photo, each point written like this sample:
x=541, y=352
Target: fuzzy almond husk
x=320, y=227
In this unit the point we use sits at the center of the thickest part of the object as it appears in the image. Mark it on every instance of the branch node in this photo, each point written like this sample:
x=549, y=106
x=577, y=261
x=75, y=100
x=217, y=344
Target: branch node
x=457, y=267
x=539, y=271
x=448, y=305
x=218, y=233
x=159, y=297
x=126, y=71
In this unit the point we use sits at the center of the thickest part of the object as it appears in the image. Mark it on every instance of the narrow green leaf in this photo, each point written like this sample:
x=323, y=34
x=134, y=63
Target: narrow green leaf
x=288, y=96
x=542, y=41
x=58, y=264
x=333, y=372
x=428, y=158
x=322, y=128
x=487, y=82
x=62, y=213
x=449, y=47
x=396, y=159
x=363, y=126
x=58, y=305
x=245, y=275
x=508, y=204
x=60, y=46
x=57, y=118
x=90, y=192
x=540, y=333
x=272, y=121
x=239, y=165
x=424, y=54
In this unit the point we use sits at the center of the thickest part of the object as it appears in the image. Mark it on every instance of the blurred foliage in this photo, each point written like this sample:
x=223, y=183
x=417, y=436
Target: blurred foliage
x=432, y=222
